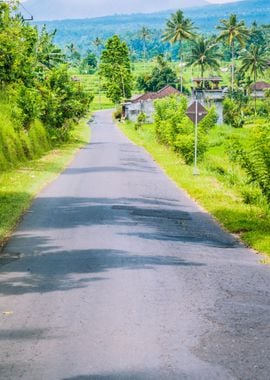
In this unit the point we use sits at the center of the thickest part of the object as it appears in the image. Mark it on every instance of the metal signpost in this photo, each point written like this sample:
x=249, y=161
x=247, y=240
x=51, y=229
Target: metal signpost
x=196, y=112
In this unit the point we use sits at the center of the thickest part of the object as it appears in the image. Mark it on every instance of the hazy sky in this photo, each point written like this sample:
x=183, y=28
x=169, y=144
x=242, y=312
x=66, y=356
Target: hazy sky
x=63, y=9
x=222, y=1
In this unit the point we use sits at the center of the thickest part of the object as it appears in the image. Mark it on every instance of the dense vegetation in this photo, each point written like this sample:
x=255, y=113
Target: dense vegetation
x=39, y=101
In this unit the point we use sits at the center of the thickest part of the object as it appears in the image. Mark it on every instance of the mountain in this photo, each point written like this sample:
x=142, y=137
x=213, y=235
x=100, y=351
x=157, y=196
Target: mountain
x=76, y=9
x=83, y=31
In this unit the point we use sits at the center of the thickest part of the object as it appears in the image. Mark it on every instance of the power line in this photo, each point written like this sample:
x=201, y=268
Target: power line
x=31, y=16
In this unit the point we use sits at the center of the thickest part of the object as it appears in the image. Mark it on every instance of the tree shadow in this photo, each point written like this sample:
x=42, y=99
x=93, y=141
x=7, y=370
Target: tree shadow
x=137, y=375
x=26, y=334
x=42, y=264
x=54, y=271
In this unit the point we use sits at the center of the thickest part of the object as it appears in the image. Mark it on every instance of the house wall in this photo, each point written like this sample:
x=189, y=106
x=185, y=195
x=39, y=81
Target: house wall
x=132, y=110
x=259, y=94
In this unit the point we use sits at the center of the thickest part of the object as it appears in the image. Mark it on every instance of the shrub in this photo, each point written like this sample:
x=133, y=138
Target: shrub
x=141, y=119
x=253, y=153
x=174, y=129
x=118, y=113
x=232, y=114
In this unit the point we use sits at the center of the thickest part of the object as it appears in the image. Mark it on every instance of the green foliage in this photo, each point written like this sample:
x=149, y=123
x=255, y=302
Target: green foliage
x=88, y=64
x=210, y=120
x=36, y=94
x=174, y=129
x=18, y=144
x=232, y=113
x=204, y=54
x=118, y=113
x=141, y=119
x=115, y=70
x=253, y=153
x=161, y=75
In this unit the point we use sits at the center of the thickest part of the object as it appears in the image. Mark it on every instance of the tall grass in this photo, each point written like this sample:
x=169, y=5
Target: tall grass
x=16, y=143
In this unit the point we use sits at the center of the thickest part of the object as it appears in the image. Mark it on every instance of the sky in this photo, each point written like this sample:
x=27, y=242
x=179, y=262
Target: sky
x=63, y=9
x=221, y=1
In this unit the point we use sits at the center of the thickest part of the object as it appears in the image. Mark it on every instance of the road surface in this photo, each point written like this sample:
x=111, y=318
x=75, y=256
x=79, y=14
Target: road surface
x=114, y=273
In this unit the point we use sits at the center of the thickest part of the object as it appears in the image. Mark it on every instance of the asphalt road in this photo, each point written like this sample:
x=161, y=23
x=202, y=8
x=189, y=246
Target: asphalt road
x=114, y=273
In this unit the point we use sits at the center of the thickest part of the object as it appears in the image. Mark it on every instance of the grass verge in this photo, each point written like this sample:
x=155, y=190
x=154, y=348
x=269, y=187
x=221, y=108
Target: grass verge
x=224, y=201
x=19, y=186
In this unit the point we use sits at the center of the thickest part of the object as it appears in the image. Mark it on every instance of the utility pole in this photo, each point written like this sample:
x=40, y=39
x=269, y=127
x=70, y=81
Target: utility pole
x=196, y=112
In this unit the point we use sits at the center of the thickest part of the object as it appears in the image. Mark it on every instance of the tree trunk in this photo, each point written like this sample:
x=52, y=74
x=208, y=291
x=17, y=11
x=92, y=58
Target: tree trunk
x=144, y=55
x=202, y=74
x=255, y=97
x=181, y=66
x=232, y=68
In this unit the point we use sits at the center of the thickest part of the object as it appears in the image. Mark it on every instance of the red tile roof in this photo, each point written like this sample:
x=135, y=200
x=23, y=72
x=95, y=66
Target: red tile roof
x=259, y=86
x=165, y=91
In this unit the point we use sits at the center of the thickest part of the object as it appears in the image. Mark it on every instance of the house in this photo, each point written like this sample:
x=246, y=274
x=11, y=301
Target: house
x=208, y=88
x=258, y=89
x=209, y=92
x=145, y=103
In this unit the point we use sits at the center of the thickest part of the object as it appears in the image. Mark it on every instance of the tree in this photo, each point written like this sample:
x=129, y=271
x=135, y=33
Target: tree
x=162, y=75
x=48, y=54
x=179, y=29
x=89, y=63
x=204, y=54
x=232, y=31
x=115, y=69
x=254, y=61
x=97, y=43
x=73, y=54
x=145, y=35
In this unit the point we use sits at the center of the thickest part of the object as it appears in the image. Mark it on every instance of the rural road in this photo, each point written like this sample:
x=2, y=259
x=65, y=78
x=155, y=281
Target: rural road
x=114, y=273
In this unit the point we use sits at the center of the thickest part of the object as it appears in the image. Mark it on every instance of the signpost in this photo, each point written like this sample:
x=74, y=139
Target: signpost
x=196, y=112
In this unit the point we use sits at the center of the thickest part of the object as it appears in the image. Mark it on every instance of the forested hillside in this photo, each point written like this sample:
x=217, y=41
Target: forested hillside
x=82, y=32
x=62, y=9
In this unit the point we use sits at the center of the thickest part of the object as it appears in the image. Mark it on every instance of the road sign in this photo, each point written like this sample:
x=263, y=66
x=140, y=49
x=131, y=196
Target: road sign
x=191, y=112
x=196, y=112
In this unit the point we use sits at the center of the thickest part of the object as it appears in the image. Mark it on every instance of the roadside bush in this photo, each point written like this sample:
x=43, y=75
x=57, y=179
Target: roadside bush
x=141, y=119
x=253, y=153
x=185, y=145
x=37, y=94
x=232, y=114
x=29, y=102
x=174, y=129
x=118, y=113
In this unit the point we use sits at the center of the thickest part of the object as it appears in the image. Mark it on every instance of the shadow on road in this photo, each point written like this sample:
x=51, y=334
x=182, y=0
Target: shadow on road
x=53, y=271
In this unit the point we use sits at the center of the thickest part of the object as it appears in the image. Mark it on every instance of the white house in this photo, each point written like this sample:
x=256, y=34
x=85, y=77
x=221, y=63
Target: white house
x=258, y=89
x=145, y=103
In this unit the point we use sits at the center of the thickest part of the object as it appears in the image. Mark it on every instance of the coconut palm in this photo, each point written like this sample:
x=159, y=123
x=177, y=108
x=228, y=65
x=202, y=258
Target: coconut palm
x=145, y=35
x=97, y=42
x=204, y=54
x=254, y=61
x=232, y=31
x=179, y=29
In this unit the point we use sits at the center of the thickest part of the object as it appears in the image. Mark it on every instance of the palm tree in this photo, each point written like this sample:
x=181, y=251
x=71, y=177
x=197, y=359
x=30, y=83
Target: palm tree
x=97, y=42
x=254, y=61
x=204, y=54
x=232, y=31
x=179, y=29
x=145, y=35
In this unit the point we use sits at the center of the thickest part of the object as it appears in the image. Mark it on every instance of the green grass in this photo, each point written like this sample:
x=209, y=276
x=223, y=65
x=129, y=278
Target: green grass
x=91, y=84
x=218, y=188
x=19, y=186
